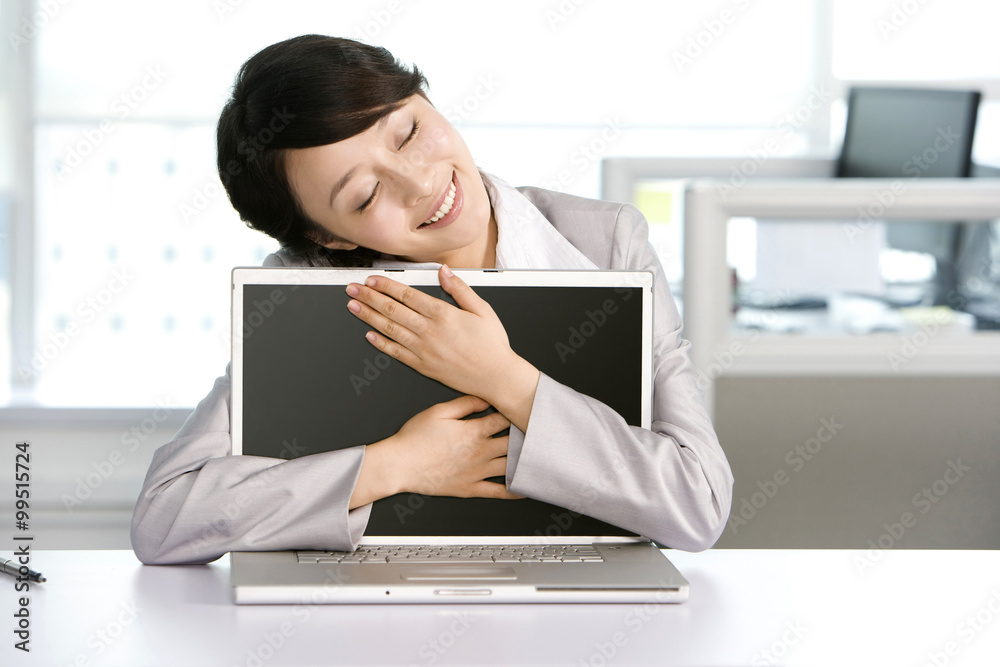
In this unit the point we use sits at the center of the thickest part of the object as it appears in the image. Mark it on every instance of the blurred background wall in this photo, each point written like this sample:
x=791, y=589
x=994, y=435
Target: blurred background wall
x=117, y=238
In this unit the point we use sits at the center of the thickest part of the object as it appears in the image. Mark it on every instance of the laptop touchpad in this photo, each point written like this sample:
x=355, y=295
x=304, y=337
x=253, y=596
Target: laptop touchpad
x=457, y=572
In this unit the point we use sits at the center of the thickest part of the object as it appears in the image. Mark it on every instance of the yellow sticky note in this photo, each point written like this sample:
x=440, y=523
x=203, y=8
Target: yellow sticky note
x=656, y=205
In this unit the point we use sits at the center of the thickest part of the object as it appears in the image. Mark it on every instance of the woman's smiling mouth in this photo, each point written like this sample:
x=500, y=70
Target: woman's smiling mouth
x=449, y=208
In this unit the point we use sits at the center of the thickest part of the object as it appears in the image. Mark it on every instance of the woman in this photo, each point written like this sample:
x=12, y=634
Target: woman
x=332, y=147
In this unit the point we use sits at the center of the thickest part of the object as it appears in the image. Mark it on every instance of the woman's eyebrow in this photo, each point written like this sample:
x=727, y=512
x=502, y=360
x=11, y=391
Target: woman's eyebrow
x=340, y=185
x=379, y=127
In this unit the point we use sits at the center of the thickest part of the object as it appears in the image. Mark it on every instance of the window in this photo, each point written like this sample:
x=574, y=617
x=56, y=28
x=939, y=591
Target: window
x=120, y=289
x=926, y=44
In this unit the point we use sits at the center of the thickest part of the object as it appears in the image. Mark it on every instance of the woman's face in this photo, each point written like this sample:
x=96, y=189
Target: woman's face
x=407, y=186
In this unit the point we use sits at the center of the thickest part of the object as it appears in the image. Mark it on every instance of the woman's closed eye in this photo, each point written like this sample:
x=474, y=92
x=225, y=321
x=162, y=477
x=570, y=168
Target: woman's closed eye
x=371, y=200
x=413, y=133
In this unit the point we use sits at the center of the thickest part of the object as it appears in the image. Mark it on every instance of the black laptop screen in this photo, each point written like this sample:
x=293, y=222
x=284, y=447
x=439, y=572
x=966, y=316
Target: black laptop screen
x=312, y=383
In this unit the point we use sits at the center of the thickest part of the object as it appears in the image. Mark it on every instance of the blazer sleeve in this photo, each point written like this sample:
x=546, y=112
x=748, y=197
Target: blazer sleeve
x=671, y=483
x=199, y=502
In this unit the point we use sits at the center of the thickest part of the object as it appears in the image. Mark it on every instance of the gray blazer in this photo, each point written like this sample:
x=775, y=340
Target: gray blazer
x=671, y=483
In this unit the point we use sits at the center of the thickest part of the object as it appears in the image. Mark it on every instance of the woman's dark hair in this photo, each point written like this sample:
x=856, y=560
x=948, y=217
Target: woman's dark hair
x=307, y=91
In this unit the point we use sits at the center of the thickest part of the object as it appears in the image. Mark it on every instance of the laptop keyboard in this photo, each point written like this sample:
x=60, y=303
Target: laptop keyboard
x=518, y=553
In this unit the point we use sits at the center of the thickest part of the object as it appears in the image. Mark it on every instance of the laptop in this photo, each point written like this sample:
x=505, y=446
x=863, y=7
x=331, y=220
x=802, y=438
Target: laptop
x=590, y=330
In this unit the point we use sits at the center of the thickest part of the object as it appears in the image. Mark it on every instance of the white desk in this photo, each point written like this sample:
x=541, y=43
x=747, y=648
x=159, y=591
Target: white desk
x=803, y=607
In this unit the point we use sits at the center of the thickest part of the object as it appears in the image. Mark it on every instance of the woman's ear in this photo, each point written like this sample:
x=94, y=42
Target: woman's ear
x=329, y=241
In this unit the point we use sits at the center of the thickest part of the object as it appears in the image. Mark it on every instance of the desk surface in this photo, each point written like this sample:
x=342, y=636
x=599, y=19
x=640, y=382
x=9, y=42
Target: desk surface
x=747, y=607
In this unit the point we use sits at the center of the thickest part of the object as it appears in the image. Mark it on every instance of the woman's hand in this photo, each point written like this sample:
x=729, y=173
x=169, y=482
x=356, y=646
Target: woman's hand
x=438, y=453
x=465, y=348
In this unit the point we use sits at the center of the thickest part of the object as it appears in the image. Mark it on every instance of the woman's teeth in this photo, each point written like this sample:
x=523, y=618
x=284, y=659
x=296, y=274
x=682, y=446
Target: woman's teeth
x=449, y=201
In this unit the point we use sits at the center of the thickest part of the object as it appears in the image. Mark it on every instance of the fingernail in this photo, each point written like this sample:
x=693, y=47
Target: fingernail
x=352, y=290
x=353, y=306
x=447, y=272
x=371, y=282
x=370, y=336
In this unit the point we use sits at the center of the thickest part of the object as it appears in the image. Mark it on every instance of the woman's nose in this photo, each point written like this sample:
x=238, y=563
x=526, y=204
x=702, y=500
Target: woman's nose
x=418, y=182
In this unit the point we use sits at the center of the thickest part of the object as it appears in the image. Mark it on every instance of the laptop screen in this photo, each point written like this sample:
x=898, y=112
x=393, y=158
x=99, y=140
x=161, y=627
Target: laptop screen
x=312, y=383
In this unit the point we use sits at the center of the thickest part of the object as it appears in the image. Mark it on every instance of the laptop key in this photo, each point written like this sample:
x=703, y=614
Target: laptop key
x=533, y=553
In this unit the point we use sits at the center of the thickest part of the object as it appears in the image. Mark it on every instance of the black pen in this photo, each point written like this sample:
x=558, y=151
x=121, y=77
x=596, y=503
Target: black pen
x=13, y=569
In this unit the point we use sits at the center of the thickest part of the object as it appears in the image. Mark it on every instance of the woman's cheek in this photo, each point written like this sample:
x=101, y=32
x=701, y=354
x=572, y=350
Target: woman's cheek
x=380, y=239
x=440, y=142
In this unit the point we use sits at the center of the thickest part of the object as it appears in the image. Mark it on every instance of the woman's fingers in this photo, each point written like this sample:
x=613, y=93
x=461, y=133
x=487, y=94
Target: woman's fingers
x=496, y=467
x=463, y=406
x=393, y=298
x=492, y=423
x=486, y=489
x=411, y=307
x=423, y=303
x=465, y=347
x=387, y=327
x=399, y=314
x=464, y=296
x=393, y=318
